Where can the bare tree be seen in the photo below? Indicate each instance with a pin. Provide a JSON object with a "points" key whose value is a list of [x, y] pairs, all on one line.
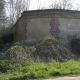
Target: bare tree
{"points": [[62, 4], [3, 18], [10, 11], [20, 6], [15, 8]]}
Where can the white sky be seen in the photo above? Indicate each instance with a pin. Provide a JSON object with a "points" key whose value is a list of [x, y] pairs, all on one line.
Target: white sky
{"points": [[77, 1], [46, 3], [37, 3], [34, 4]]}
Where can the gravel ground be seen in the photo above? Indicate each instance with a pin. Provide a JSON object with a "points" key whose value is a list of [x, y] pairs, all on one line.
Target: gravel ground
{"points": [[66, 78]]}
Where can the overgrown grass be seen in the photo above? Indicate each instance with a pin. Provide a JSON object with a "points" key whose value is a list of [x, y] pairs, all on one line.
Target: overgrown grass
{"points": [[22, 70]]}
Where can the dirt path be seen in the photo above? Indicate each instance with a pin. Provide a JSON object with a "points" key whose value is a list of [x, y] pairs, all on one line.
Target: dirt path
{"points": [[66, 78]]}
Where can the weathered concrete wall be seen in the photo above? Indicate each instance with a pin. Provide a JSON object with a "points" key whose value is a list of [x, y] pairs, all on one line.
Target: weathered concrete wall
{"points": [[69, 29], [64, 25], [38, 28]]}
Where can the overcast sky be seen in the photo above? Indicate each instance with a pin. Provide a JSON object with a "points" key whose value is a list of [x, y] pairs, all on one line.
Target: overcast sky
{"points": [[46, 3], [37, 3]]}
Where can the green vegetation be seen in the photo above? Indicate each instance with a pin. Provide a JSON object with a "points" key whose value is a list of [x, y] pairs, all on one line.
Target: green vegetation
{"points": [[44, 59], [45, 50], [22, 70]]}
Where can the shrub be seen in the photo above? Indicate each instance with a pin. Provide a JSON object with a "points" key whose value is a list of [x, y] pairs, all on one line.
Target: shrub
{"points": [[19, 51], [16, 52], [50, 48]]}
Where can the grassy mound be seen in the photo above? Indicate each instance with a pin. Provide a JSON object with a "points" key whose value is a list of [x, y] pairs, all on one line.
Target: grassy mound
{"points": [[50, 48]]}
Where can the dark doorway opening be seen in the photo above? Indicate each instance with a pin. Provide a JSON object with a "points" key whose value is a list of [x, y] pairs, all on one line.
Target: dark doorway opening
{"points": [[75, 46]]}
